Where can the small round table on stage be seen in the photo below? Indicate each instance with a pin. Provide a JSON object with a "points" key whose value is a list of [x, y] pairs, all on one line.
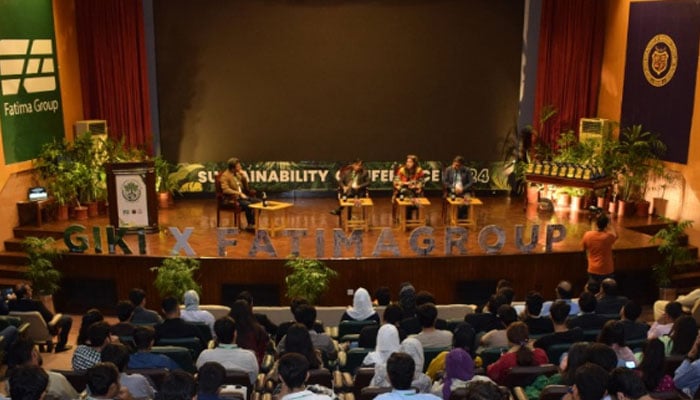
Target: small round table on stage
{"points": [[275, 222]]}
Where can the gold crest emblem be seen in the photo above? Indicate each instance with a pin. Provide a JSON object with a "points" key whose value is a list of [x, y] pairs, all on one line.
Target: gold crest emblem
{"points": [[660, 60]]}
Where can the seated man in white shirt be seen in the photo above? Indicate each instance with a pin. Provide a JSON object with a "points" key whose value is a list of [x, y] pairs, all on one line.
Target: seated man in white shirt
{"points": [[430, 337], [686, 300], [226, 353], [293, 369], [400, 368]]}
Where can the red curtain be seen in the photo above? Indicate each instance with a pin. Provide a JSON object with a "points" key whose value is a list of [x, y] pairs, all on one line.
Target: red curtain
{"points": [[113, 68], [572, 33]]}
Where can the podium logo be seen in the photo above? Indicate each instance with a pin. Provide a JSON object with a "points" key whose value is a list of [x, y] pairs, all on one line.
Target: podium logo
{"points": [[27, 63]]}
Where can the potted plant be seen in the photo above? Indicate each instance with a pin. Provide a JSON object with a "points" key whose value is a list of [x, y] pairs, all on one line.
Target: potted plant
{"points": [[638, 152], [175, 276], [164, 185], [676, 255], [40, 271], [576, 197], [309, 278], [563, 196]]}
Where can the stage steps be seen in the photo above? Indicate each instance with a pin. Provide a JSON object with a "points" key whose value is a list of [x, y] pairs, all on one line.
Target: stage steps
{"points": [[11, 275], [22, 232], [14, 244]]}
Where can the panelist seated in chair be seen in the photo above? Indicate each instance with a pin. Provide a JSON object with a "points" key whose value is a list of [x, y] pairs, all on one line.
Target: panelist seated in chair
{"points": [[408, 181], [58, 324], [456, 182], [353, 181], [234, 184]]}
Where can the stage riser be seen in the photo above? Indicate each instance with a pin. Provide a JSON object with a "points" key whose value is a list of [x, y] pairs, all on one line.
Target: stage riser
{"points": [[450, 279]]}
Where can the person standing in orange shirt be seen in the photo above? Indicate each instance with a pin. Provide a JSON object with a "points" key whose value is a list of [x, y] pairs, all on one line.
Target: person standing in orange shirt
{"points": [[598, 245]]}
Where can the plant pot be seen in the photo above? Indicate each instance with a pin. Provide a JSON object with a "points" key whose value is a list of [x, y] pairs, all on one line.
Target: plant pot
{"points": [[668, 294], [642, 208], [660, 206], [164, 199], [563, 200], [81, 213], [92, 209], [62, 212], [612, 207], [533, 194], [601, 203], [47, 300], [575, 203], [625, 208]]}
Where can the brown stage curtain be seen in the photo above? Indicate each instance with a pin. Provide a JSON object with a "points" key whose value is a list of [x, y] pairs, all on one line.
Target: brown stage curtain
{"points": [[113, 68], [572, 33]]}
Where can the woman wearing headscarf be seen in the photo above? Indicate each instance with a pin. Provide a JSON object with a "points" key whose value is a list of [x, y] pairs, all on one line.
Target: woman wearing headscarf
{"points": [[192, 313], [459, 369], [387, 343], [362, 309], [420, 381]]}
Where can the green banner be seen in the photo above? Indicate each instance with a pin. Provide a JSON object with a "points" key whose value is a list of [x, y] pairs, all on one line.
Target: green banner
{"points": [[282, 176], [30, 95]]}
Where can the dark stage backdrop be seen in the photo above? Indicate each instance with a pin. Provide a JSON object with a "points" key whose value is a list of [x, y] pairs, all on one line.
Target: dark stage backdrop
{"points": [[334, 79]]}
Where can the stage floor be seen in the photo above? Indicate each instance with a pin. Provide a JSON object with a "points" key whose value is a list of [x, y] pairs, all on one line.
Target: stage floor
{"points": [[314, 213]]}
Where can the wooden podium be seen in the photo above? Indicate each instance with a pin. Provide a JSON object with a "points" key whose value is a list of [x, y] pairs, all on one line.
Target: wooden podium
{"points": [[131, 192]]}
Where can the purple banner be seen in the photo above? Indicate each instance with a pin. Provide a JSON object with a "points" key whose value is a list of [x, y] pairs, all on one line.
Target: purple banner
{"points": [[662, 53]]}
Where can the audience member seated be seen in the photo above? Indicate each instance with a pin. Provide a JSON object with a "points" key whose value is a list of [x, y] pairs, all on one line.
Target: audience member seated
{"points": [[387, 343], [687, 375], [504, 288], [562, 334], [392, 315], [521, 353], [282, 328], [683, 333], [137, 384], [487, 320], [298, 341], [587, 319], [362, 309], [177, 385], [293, 372], [429, 336], [625, 384], [306, 315], [263, 320], [124, 327], [485, 390], [141, 314], [144, 337], [613, 335], [103, 382], [592, 287], [651, 368], [628, 318], [175, 327], [24, 353], [570, 362], [210, 378], [400, 369], [564, 292], [88, 354], [90, 317], [412, 325], [687, 302], [663, 325], [609, 302], [462, 338], [413, 348], [497, 337], [382, 296], [590, 382], [602, 355], [57, 326], [459, 369], [249, 333], [226, 353], [533, 307], [193, 314], [28, 382]]}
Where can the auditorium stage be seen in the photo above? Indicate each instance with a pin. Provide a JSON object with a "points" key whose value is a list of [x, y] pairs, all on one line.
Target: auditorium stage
{"points": [[91, 278]]}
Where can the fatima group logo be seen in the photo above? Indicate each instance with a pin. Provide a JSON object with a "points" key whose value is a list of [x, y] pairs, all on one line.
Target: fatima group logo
{"points": [[27, 64]]}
